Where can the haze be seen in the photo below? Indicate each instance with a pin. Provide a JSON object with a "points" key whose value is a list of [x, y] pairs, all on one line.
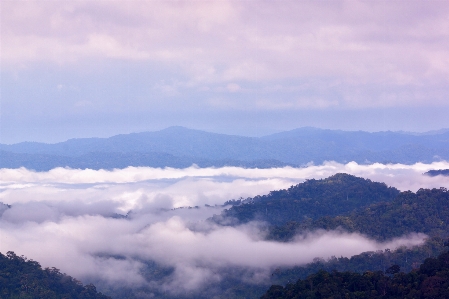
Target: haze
{"points": [[99, 68], [72, 69], [67, 218]]}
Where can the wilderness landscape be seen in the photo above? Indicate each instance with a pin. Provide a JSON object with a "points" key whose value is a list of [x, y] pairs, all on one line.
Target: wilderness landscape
{"points": [[220, 231], [224, 149]]}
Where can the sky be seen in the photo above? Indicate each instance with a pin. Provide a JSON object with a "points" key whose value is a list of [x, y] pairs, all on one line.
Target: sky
{"points": [[99, 68], [62, 218]]}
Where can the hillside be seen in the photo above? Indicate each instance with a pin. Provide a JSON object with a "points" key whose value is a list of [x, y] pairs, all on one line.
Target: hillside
{"points": [[444, 172], [426, 211], [22, 278], [379, 219], [336, 195], [339, 202], [379, 260], [431, 280]]}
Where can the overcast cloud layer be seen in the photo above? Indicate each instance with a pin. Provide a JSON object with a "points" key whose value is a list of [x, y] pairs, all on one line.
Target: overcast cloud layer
{"points": [[64, 218], [98, 68]]}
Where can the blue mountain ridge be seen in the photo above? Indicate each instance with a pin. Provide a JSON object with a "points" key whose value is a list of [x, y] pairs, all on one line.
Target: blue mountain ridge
{"points": [[179, 147]]}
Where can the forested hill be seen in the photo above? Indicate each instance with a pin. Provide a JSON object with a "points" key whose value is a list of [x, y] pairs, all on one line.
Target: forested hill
{"points": [[431, 280], [426, 211], [22, 278], [335, 195], [444, 172]]}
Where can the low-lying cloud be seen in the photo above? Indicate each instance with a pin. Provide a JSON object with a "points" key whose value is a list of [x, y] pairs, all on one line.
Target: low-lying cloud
{"points": [[88, 247], [73, 220]]}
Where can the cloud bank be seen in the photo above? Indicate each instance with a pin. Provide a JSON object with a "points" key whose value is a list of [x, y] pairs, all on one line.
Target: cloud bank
{"points": [[251, 41], [237, 67], [70, 219]]}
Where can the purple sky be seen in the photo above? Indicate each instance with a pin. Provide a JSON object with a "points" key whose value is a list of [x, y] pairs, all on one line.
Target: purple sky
{"points": [[99, 68]]}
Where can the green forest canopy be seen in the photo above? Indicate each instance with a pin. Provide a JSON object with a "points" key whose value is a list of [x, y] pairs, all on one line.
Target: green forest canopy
{"points": [[23, 278]]}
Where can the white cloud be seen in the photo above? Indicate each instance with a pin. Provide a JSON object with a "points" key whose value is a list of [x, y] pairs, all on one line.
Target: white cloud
{"points": [[380, 41], [397, 175], [78, 245], [62, 218], [302, 103], [144, 65]]}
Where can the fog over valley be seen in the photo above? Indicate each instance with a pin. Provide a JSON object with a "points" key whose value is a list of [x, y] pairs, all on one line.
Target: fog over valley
{"points": [[106, 226], [224, 149]]}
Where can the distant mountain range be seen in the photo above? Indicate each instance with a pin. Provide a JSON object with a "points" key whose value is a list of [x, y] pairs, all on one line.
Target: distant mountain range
{"points": [[180, 147]]}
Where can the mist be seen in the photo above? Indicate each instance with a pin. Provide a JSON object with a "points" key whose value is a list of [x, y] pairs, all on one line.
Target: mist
{"points": [[75, 220]]}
